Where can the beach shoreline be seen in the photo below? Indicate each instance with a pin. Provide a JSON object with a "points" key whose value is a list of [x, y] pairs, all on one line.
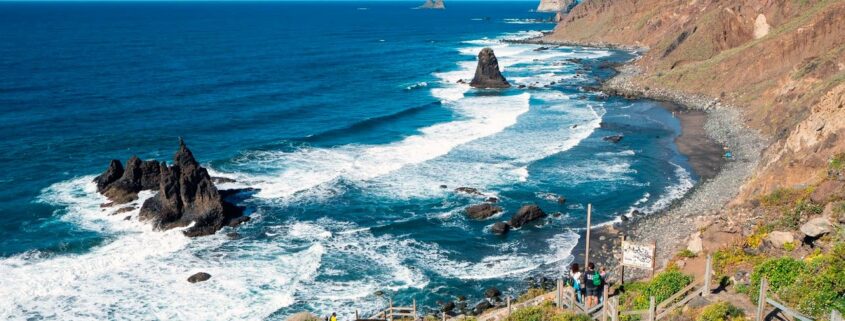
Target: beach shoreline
{"points": [[708, 129]]}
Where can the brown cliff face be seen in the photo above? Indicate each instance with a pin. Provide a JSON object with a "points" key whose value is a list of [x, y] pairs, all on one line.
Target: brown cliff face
{"points": [[780, 61]]}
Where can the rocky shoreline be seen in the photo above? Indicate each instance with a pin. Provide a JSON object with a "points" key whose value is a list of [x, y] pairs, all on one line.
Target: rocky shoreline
{"points": [[672, 227]]}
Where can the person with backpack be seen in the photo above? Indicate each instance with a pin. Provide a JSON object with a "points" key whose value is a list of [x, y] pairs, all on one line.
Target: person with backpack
{"points": [[592, 285], [575, 281]]}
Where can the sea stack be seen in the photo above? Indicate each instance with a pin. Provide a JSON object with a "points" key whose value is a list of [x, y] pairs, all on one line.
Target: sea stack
{"points": [[432, 4], [186, 193], [487, 74]]}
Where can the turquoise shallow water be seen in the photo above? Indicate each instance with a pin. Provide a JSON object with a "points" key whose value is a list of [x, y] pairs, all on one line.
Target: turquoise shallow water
{"points": [[345, 116]]}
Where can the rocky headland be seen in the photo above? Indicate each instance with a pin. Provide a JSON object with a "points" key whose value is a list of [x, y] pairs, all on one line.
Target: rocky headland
{"points": [[555, 5], [185, 193]]}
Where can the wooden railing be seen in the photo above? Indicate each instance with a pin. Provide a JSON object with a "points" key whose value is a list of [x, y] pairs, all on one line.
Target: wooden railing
{"points": [[763, 299], [394, 312]]}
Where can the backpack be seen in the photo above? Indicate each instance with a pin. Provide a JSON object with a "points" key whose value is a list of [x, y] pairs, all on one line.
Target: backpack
{"points": [[596, 279]]}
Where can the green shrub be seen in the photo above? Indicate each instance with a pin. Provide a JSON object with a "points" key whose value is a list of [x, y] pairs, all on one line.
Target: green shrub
{"points": [[545, 312], [686, 253], [663, 286], [791, 218], [779, 272], [534, 313], [789, 246], [821, 286], [721, 311]]}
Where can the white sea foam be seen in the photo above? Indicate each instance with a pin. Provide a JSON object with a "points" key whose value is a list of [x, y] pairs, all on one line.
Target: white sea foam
{"points": [[673, 192], [310, 167], [141, 274]]}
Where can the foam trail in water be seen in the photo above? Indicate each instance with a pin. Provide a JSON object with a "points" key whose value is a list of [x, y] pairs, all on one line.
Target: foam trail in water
{"points": [[307, 168]]}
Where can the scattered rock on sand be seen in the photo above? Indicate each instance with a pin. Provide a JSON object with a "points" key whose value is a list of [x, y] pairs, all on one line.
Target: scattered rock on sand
{"points": [[199, 277], [487, 74], [482, 211], [816, 227], [526, 214], [779, 238]]}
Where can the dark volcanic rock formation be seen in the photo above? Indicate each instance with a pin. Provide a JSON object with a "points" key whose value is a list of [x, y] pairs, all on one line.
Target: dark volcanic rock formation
{"points": [[527, 214], [487, 74], [482, 211], [186, 193], [113, 173], [137, 176], [500, 228], [199, 277]]}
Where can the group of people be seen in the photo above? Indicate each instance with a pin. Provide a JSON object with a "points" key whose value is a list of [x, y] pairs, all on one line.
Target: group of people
{"points": [[588, 284]]}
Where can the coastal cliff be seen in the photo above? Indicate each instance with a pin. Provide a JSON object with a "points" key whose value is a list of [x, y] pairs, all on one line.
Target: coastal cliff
{"points": [[780, 62], [555, 5]]}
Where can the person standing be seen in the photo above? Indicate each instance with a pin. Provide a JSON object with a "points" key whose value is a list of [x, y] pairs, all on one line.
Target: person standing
{"points": [[333, 317], [575, 280], [592, 283]]}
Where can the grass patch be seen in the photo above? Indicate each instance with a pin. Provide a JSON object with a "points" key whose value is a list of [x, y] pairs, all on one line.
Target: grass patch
{"points": [[661, 287], [530, 294], [686, 253]]}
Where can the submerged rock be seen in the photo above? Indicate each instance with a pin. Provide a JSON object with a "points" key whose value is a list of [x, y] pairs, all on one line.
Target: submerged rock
{"points": [[482, 211], [613, 138], [468, 190], [527, 214], [487, 74], [199, 277]]}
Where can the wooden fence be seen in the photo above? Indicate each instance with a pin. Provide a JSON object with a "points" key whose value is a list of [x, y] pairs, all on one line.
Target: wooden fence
{"points": [[393, 312]]}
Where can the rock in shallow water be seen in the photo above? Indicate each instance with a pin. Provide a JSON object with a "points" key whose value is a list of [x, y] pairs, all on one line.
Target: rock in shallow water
{"points": [[482, 211], [487, 74], [199, 277], [500, 228], [526, 214]]}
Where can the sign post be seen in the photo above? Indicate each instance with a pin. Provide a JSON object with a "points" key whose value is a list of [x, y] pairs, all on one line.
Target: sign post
{"points": [[641, 256]]}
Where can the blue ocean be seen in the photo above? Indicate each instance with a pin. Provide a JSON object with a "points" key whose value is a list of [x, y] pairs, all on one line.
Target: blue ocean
{"points": [[348, 120]]}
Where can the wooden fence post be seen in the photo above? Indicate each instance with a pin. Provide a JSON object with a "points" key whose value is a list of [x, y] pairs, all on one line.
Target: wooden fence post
{"points": [[615, 316], [509, 305], [761, 300], [389, 315], [415, 309], [572, 300], [651, 309], [356, 315], [587, 252], [604, 308], [559, 294], [708, 276]]}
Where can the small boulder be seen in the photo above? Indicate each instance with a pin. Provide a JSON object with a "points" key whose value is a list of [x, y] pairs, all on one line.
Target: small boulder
{"points": [[199, 277], [526, 214], [468, 190], [481, 307], [482, 211], [816, 227], [500, 228], [447, 307], [695, 244], [778, 238], [492, 293]]}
